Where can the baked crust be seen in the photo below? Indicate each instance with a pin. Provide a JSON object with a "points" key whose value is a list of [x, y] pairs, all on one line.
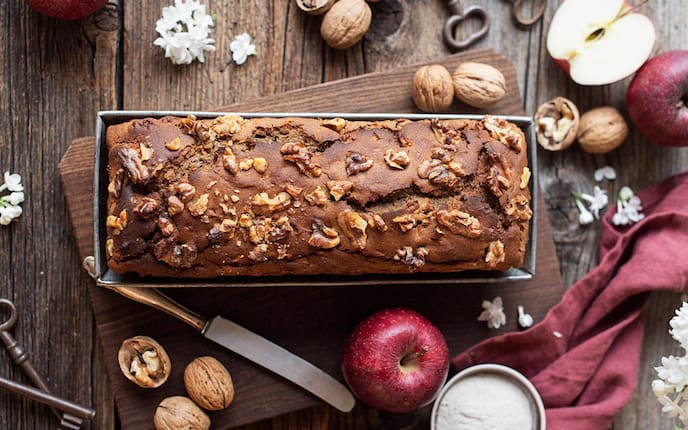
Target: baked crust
{"points": [[272, 196]]}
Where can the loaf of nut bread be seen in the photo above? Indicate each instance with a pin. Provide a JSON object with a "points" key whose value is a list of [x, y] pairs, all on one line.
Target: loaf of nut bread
{"points": [[272, 196]]}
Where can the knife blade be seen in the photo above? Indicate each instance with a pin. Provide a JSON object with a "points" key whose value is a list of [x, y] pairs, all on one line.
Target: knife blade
{"points": [[251, 346]]}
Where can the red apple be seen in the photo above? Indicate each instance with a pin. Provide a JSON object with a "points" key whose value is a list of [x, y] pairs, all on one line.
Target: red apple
{"points": [[598, 42], [396, 360], [66, 9], [657, 99]]}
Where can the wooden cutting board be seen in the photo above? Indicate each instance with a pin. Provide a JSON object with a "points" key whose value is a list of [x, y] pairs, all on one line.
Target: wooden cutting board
{"points": [[310, 321]]}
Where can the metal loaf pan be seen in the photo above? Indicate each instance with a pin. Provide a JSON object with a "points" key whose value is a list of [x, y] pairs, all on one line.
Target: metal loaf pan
{"points": [[108, 278]]}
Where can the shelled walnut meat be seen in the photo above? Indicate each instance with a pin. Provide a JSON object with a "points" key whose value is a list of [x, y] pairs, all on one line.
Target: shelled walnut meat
{"points": [[209, 383], [178, 412], [556, 123], [433, 89], [144, 361]]}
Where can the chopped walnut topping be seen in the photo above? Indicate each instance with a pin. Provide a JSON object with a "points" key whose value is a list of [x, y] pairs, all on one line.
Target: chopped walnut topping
{"points": [[226, 125], [323, 236], [168, 251], [376, 221], [234, 198], [440, 154], [229, 161], [294, 191], [437, 173], [357, 163], [456, 167], [138, 173], [408, 257], [354, 227], [227, 210], [339, 188], [525, 177], [115, 186], [245, 220], [317, 197], [495, 253], [518, 209], [263, 204], [259, 231], [174, 205], [258, 253], [246, 164], [166, 226], [110, 247], [260, 164], [444, 134], [174, 144], [507, 133], [146, 208], [406, 222], [281, 229], [222, 232], [146, 152], [300, 155], [397, 160], [282, 252], [459, 222], [335, 124], [496, 181], [117, 223], [204, 133], [198, 207], [185, 191]]}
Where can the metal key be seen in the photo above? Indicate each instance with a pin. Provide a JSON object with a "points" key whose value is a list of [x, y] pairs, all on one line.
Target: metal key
{"points": [[21, 357]]}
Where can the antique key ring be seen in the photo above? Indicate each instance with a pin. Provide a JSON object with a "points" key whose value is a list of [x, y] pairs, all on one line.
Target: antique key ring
{"points": [[459, 14], [523, 22]]}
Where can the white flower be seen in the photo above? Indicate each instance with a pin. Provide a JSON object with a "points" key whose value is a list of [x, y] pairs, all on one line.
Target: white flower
{"points": [[242, 48], [493, 313], [524, 320], [184, 29], [584, 215], [674, 371], [606, 172], [12, 182], [8, 213], [15, 198], [598, 200], [679, 326], [628, 208], [661, 388]]}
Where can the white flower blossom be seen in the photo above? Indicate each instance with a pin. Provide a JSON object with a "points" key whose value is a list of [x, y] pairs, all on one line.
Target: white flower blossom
{"points": [[584, 215], [524, 320], [242, 48], [606, 172], [628, 208], [184, 31], [16, 198], [598, 200], [8, 213], [671, 389], [493, 313], [12, 182]]}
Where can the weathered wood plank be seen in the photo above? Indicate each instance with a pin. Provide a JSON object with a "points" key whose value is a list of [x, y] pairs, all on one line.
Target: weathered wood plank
{"points": [[55, 75]]}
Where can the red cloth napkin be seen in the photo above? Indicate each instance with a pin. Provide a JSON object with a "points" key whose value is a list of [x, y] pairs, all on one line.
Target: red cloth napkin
{"points": [[583, 357]]}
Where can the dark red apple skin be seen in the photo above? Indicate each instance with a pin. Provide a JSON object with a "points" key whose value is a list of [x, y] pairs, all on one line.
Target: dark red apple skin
{"points": [[657, 98], [563, 65], [66, 9], [372, 356]]}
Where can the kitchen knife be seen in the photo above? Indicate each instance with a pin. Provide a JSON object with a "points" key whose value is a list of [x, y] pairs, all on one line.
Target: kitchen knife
{"points": [[251, 346]]}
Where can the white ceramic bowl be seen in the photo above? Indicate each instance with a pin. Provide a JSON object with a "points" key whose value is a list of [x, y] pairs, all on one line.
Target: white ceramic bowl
{"points": [[536, 407]]}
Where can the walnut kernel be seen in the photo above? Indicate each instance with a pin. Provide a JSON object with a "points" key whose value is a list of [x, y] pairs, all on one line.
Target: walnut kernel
{"points": [[323, 236], [263, 204], [354, 227], [459, 222], [397, 160], [198, 207], [339, 188], [495, 253], [357, 163], [556, 123], [144, 361]]}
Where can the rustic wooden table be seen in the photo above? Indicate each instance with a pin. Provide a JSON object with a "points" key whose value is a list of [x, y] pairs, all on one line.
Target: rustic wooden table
{"points": [[56, 75]]}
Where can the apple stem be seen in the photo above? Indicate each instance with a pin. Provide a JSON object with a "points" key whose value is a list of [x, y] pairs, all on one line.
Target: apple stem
{"points": [[415, 355], [630, 9]]}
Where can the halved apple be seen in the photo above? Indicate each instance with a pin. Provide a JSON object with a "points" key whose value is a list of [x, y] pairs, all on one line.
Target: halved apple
{"points": [[598, 42]]}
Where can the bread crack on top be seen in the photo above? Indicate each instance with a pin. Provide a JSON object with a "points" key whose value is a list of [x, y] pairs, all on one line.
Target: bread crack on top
{"points": [[229, 196]]}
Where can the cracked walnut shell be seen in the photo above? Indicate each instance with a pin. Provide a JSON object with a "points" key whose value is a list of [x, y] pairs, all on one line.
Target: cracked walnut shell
{"points": [[345, 23], [602, 130], [556, 123], [144, 361], [479, 85], [433, 89], [178, 412], [209, 383]]}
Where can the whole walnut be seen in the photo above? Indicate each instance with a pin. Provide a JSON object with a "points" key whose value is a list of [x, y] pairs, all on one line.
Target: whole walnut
{"points": [[209, 383], [433, 90], [345, 23], [601, 130], [479, 85], [178, 412]]}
